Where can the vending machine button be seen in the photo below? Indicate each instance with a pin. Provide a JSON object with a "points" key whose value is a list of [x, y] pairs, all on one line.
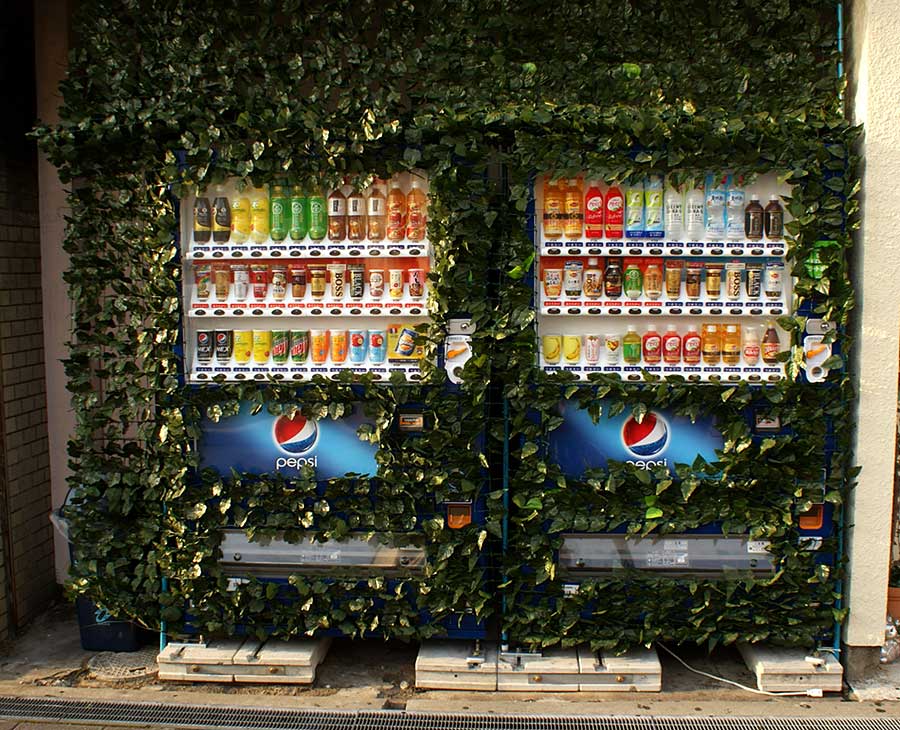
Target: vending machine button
{"points": [[736, 310], [553, 251], [354, 252], [376, 311], [756, 252], [715, 310], [256, 253], [655, 310], [656, 252], [675, 310], [334, 252], [595, 310], [574, 310], [595, 251], [737, 252], [315, 310], [615, 252], [615, 310], [553, 310], [274, 254], [375, 252], [574, 251], [275, 312], [696, 252], [295, 253], [414, 252], [394, 251]]}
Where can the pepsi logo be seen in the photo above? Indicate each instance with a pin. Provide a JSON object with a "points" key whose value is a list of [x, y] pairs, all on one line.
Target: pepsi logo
{"points": [[295, 434], [647, 438]]}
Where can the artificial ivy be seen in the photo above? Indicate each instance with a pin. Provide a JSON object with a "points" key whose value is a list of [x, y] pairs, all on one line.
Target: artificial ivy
{"points": [[482, 94]]}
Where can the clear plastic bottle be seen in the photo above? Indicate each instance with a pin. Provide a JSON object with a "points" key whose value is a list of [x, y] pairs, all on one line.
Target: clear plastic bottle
{"points": [[771, 344], [631, 346], [259, 216], [671, 345], [751, 346], [735, 201], [337, 216], [574, 221], [731, 344], [375, 208], [691, 346], [278, 213], [416, 215], [356, 216], [712, 344], [396, 212], [554, 209], [318, 215], [674, 213], [652, 346], [694, 210], [714, 224], [240, 218], [593, 211]]}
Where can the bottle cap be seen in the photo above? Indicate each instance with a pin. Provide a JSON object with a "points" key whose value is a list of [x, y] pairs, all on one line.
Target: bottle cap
{"points": [[593, 261], [773, 197], [651, 328], [671, 328], [692, 328], [631, 328], [573, 181], [416, 183], [754, 197], [395, 183], [731, 328]]}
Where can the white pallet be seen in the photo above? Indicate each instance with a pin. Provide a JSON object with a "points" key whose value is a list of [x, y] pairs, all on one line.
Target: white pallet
{"points": [[453, 665], [788, 670], [638, 670], [554, 670]]}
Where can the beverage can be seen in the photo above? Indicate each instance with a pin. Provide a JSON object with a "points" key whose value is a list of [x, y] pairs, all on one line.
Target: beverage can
{"points": [[357, 345], [552, 283], [673, 278], [613, 348], [338, 276], [224, 345], [773, 283], [572, 281], [612, 279], [357, 281], [376, 283], [317, 281], [634, 281], [551, 346], [572, 348], [241, 275], [692, 278], [734, 272], [279, 283], [338, 345], [262, 345], [281, 344], [204, 345], [417, 283], [377, 346], [243, 346], [318, 345], [395, 283], [299, 345], [714, 280], [203, 278], [653, 282], [223, 282], [298, 282], [592, 349], [259, 276], [753, 282], [406, 343]]}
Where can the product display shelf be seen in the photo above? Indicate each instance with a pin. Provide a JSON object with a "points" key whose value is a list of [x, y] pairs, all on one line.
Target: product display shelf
{"points": [[649, 247], [678, 308], [309, 307], [251, 371], [693, 373], [306, 249]]}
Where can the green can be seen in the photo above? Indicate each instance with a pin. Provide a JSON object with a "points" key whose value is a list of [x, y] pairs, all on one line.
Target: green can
{"points": [[299, 214], [318, 216], [634, 282], [278, 211], [299, 345], [281, 343]]}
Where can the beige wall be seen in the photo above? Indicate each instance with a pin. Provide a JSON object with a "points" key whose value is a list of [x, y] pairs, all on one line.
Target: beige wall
{"points": [[51, 50], [872, 100]]}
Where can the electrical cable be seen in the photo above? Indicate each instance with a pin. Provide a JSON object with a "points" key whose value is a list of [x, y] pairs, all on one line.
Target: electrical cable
{"points": [[813, 692]]}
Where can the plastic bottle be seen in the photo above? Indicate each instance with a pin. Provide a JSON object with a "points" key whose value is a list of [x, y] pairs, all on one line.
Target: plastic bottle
{"points": [[694, 213], [731, 344], [574, 221], [416, 211], [593, 279], [259, 216], [634, 209], [593, 211], [774, 219], [202, 219], [337, 216], [691, 346], [671, 345], [299, 214], [240, 218], [753, 219], [771, 344], [714, 223], [674, 211], [631, 346], [278, 213], [751, 346], [614, 219], [356, 216], [221, 222], [318, 215], [712, 344], [554, 209], [652, 346], [653, 207], [396, 212], [375, 209], [735, 201]]}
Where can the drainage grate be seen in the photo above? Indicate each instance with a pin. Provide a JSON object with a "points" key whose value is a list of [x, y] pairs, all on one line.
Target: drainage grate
{"points": [[249, 718]]}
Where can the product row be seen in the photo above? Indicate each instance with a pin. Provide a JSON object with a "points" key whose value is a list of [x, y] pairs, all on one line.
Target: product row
{"points": [[715, 207], [289, 212], [653, 280], [297, 282], [395, 343], [715, 343]]}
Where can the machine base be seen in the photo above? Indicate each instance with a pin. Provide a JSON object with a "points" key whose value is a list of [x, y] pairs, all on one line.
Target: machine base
{"points": [[457, 665], [792, 670]]}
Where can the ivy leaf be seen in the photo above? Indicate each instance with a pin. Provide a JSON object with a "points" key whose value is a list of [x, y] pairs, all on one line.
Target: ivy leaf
{"points": [[653, 513]]}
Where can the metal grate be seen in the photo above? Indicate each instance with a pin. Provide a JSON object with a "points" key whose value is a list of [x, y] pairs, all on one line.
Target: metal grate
{"points": [[249, 718]]}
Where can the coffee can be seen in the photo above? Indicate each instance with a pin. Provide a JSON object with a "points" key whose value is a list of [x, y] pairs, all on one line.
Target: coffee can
{"points": [[357, 280], [241, 275], [203, 278], [376, 283]]}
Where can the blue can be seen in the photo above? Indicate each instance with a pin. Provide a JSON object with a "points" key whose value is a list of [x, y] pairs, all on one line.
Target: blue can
{"points": [[377, 346], [358, 346]]}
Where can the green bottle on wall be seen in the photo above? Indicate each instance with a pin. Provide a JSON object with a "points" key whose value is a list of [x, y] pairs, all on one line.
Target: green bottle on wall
{"points": [[318, 215], [299, 214], [278, 213]]}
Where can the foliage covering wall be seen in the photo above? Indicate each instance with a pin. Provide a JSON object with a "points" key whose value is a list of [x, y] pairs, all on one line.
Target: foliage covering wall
{"points": [[481, 94]]}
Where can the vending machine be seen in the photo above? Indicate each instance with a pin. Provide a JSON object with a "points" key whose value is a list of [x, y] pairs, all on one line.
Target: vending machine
{"points": [[315, 386]]}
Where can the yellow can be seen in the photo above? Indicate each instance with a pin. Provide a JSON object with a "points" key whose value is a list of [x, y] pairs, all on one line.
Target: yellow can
{"points": [[572, 348], [552, 348], [338, 345], [319, 345], [243, 346], [262, 345]]}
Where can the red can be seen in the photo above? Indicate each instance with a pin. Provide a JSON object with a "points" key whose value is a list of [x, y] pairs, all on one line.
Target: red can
{"points": [[259, 279]]}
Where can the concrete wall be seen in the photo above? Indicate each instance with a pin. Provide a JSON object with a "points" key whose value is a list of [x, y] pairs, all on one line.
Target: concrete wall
{"points": [[873, 58]]}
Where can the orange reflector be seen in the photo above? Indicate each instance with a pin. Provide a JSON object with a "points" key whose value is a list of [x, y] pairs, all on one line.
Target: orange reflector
{"points": [[459, 514], [813, 518]]}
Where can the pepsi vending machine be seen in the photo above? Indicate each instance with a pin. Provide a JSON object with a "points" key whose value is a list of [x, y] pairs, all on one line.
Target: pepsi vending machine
{"points": [[316, 395], [668, 485]]}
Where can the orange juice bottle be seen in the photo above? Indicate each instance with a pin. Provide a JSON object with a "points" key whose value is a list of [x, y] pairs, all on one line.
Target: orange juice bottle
{"points": [[574, 220], [554, 209], [712, 344], [416, 216], [396, 212], [731, 344]]}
